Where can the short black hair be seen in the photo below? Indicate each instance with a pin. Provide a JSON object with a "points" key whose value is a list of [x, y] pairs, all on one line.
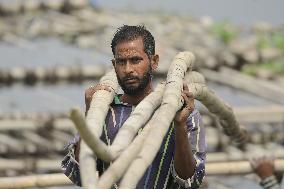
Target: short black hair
{"points": [[129, 33]]}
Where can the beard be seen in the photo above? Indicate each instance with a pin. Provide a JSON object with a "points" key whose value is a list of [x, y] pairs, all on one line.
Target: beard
{"points": [[142, 84]]}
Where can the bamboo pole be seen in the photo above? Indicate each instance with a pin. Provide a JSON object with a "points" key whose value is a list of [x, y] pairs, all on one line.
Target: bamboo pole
{"points": [[120, 165], [95, 119], [136, 120], [160, 123], [239, 167], [98, 147], [216, 106], [88, 171], [255, 86], [260, 114], [33, 181], [29, 164], [170, 104]]}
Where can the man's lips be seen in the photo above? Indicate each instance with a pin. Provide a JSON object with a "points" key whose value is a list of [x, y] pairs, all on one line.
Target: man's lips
{"points": [[130, 80]]}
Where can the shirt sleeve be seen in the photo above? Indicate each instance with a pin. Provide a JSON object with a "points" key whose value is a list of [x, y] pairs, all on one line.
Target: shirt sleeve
{"points": [[270, 183], [196, 137], [69, 165]]}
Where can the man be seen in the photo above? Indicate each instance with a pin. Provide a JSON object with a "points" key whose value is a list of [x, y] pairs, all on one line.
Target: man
{"points": [[180, 160]]}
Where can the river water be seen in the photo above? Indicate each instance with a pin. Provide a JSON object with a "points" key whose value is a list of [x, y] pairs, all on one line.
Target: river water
{"points": [[241, 12]]}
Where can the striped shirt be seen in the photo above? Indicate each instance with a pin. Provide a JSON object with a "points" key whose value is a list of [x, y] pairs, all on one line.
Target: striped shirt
{"points": [[161, 173]]}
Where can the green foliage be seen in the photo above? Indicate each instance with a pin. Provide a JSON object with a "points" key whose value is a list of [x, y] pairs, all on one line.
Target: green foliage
{"points": [[264, 42], [273, 66], [249, 69], [225, 31], [278, 40]]}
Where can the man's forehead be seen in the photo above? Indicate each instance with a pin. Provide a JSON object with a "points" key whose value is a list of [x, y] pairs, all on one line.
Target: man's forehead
{"points": [[129, 50]]}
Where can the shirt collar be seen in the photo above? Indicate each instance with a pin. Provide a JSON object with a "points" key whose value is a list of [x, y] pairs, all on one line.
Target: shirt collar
{"points": [[116, 100]]}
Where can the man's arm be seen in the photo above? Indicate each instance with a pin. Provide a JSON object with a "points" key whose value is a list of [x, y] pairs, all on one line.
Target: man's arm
{"points": [[189, 157], [183, 159]]}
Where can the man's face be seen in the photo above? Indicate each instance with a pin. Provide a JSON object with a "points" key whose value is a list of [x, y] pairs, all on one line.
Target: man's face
{"points": [[133, 66]]}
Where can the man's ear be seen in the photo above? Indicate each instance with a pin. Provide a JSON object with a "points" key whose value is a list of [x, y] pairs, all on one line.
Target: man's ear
{"points": [[113, 62], [155, 61]]}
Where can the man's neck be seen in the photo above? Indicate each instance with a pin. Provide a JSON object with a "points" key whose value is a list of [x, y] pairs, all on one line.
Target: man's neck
{"points": [[135, 99]]}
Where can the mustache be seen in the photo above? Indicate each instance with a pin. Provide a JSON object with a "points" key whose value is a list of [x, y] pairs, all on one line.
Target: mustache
{"points": [[129, 78]]}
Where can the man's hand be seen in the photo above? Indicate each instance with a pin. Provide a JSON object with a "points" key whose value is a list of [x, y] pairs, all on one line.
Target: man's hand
{"points": [[263, 166], [89, 92], [188, 107]]}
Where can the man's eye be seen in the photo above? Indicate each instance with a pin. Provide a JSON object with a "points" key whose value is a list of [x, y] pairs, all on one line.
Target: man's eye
{"points": [[120, 62], [135, 60]]}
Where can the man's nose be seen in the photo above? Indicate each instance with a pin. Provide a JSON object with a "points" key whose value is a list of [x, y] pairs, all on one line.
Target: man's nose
{"points": [[128, 67]]}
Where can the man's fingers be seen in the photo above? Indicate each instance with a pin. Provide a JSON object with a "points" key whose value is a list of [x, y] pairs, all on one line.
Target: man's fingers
{"points": [[188, 102], [99, 87], [186, 91], [185, 87], [188, 94]]}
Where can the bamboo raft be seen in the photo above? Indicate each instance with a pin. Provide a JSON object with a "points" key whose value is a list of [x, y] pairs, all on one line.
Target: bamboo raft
{"points": [[230, 154], [246, 115], [58, 179], [26, 133]]}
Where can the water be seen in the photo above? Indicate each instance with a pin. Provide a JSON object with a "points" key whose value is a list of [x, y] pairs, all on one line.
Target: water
{"points": [[47, 52], [241, 12]]}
